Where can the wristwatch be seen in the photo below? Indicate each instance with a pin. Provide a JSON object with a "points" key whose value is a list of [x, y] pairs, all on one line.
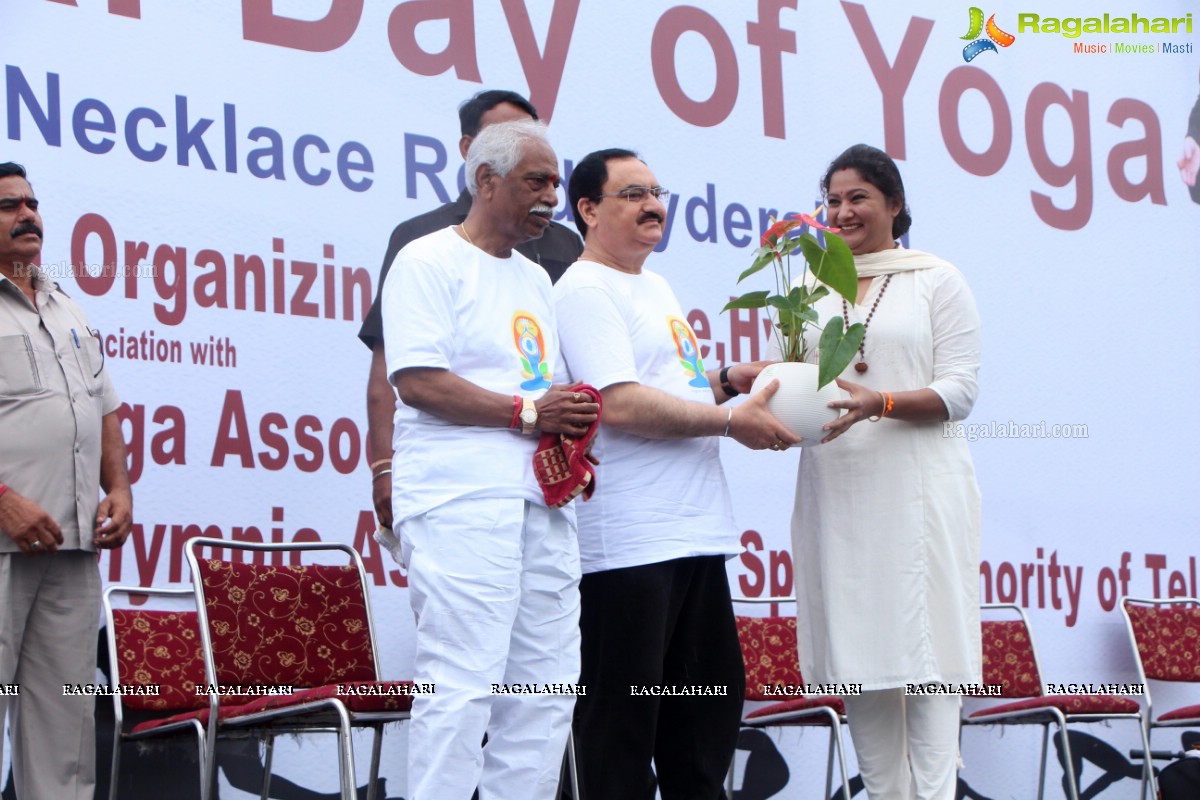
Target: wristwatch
{"points": [[529, 415]]}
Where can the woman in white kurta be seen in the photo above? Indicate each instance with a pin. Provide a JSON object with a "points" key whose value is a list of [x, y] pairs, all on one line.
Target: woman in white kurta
{"points": [[886, 524]]}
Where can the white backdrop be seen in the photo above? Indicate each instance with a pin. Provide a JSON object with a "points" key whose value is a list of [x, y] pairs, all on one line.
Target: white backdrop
{"points": [[201, 136]]}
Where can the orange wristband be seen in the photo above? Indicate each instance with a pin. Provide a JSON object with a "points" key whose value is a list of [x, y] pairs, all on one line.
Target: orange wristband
{"points": [[888, 404]]}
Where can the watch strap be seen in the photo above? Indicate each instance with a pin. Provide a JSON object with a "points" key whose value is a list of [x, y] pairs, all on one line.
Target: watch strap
{"points": [[726, 386]]}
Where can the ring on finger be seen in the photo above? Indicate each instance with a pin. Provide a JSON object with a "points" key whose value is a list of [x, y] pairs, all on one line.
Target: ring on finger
{"points": [[575, 396], [35, 545]]}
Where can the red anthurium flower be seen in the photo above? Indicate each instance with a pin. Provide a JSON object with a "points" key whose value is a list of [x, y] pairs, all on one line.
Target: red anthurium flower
{"points": [[779, 228], [812, 222]]}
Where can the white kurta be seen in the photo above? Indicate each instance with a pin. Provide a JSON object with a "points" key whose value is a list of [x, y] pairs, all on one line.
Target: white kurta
{"points": [[886, 525]]}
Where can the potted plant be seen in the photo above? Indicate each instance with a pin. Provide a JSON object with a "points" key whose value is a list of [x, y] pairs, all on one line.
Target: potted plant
{"points": [[805, 391]]}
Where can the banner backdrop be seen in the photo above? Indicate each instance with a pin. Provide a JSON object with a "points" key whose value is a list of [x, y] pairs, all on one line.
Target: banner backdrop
{"points": [[218, 181]]}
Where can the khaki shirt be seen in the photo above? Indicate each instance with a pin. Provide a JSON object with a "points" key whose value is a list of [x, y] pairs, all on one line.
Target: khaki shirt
{"points": [[54, 391]]}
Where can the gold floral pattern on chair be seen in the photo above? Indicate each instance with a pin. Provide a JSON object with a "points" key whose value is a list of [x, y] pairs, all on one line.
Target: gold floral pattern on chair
{"points": [[300, 625], [159, 648], [1168, 640], [1008, 659], [770, 651], [1070, 704]]}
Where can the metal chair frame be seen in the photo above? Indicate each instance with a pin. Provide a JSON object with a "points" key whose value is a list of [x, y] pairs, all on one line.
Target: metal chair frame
{"points": [[1046, 715], [170, 729], [323, 715], [835, 721], [1149, 723]]}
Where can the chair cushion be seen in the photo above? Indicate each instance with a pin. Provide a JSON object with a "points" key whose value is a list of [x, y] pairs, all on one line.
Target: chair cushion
{"points": [[770, 654], [798, 704], [199, 714], [159, 648], [1187, 712], [1168, 640], [1008, 658], [359, 696], [299, 625], [1067, 704]]}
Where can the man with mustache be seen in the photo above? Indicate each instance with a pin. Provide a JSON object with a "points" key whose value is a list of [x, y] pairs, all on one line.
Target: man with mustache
{"points": [[61, 442], [553, 251], [493, 572], [661, 658]]}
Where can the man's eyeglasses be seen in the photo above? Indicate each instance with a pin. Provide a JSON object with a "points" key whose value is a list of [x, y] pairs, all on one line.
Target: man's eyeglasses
{"points": [[638, 194], [13, 203], [100, 342]]}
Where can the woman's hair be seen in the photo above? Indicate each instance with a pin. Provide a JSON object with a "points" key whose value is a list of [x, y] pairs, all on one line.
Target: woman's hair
{"points": [[876, 168]]}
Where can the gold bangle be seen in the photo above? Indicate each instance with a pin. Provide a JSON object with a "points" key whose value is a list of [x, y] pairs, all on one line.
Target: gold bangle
{"points": [[380, 462], [882, 406]]}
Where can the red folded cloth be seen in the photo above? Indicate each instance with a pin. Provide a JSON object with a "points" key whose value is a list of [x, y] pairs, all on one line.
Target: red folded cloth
{"points": [[560, 462]]}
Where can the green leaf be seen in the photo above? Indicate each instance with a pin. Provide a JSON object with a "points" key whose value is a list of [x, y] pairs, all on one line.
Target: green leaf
{"points": [[748, 300], [837, 348], [833, 267], [766, 256], [843, 263], [817, 293], [790, 302]]}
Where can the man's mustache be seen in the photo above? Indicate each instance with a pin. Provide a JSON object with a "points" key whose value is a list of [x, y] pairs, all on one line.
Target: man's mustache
{"points": [[24, 228], [649, 215]]}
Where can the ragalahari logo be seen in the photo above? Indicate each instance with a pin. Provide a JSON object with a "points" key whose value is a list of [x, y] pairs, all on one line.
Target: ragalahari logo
{"points": [[995, 36]]}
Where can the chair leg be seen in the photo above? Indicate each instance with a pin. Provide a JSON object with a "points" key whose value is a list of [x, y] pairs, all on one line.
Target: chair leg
{"points": [[1042, 768], [829, 765], [573, 768], [115, 772], [207, 786], [346, 754], [376, 747], [268, 762], [1148, 777], [840, 743], [1068, 763], [199, 729]]}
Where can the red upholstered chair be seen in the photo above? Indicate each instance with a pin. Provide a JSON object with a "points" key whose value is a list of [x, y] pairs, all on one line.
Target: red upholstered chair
{"points": [[1165, 635], [154, 648], [771, 654], [1010, 660], [302, 625]]}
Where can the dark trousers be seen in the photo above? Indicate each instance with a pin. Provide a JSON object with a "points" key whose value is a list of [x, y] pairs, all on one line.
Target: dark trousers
{"points": [[667, 625]]}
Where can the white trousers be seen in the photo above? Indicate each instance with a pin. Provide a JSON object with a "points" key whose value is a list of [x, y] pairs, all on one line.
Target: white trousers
{"points": [[49, 624], [494, 584], [907, 747]]}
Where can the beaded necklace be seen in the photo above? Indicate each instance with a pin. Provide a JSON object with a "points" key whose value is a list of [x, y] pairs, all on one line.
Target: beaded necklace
{"points": [[861, 366]]}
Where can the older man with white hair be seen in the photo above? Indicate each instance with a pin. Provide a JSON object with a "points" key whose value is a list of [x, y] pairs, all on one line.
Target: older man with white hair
{"points": [[472, 350]]}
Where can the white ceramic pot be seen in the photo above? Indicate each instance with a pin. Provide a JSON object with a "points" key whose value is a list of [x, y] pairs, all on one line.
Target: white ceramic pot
{"points": [[799, 405]]}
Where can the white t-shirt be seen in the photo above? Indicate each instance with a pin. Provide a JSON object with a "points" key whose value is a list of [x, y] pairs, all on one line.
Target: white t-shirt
{"points": [[656, 499], [490, 321]]}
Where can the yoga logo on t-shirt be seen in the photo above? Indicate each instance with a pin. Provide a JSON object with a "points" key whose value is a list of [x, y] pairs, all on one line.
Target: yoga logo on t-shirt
{"points": [[689, 351], [527, 334]]}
